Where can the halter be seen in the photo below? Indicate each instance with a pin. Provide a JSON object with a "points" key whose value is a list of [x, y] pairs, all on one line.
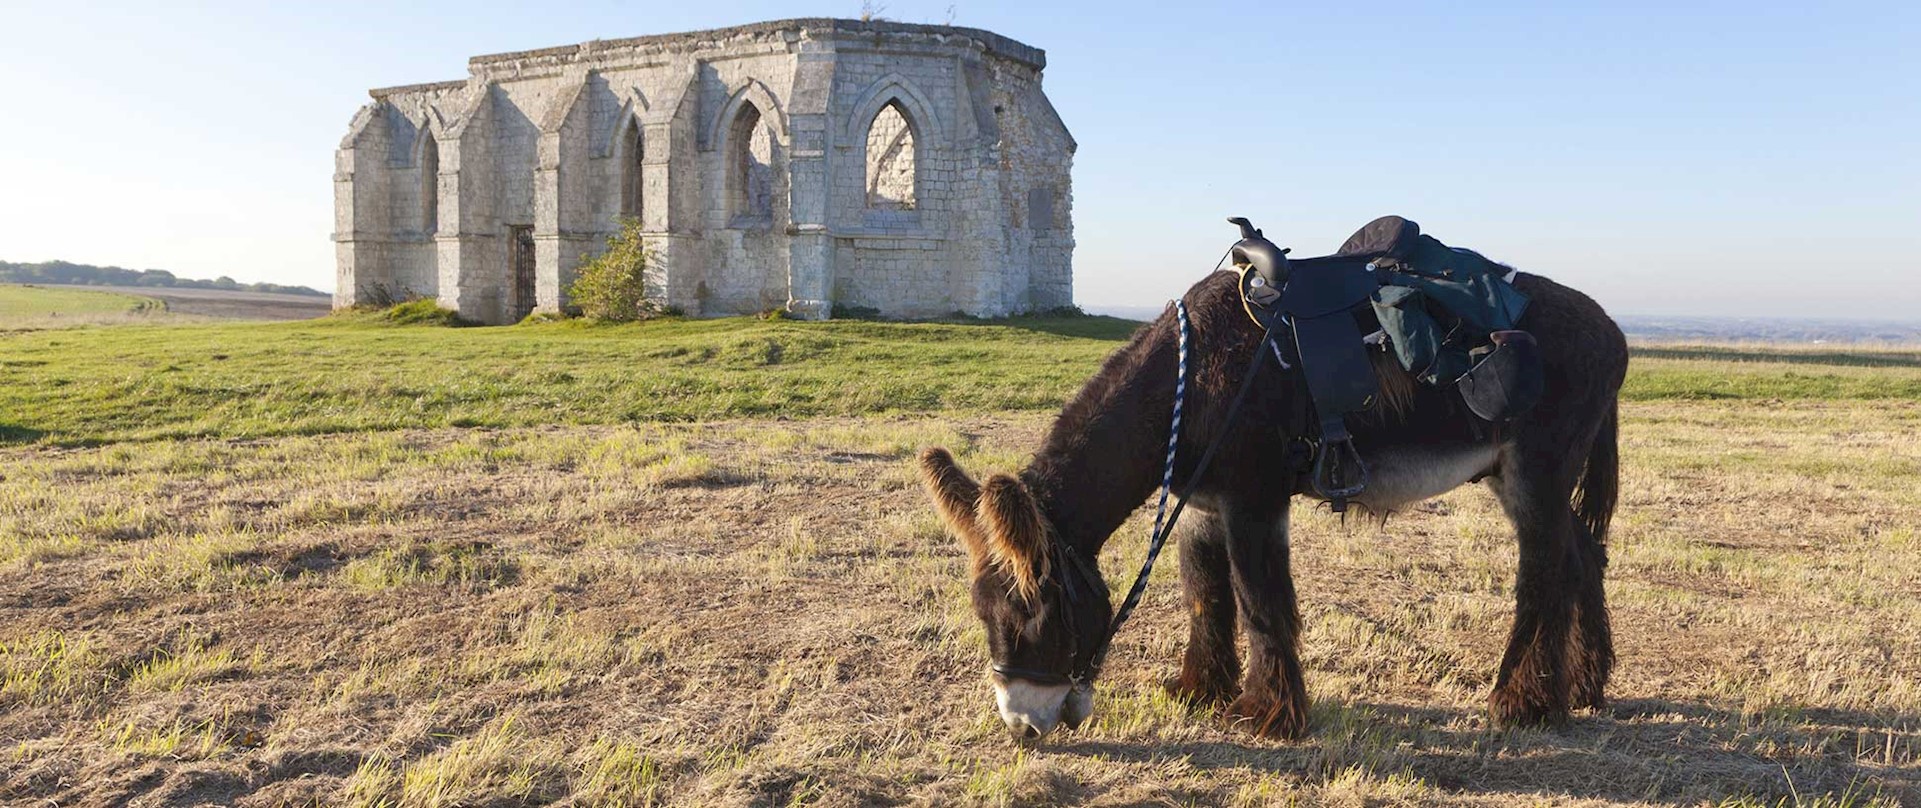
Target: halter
{"points": [[1078, 580]]}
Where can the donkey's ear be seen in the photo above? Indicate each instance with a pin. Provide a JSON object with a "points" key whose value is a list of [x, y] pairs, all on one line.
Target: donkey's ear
{"points": [[1016, 538], [955, 495]]}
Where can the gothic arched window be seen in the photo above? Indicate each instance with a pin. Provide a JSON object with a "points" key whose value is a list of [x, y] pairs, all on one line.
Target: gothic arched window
{"points": [[750, 165], [891, 160], [429, 183], [630, 176]]}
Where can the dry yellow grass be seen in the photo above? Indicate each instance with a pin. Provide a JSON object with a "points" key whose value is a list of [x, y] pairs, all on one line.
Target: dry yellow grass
{"points": [[768, 614]]}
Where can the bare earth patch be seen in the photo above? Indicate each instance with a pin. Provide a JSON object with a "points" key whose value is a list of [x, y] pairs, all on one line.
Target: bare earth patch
{"points": [[759, 613]]}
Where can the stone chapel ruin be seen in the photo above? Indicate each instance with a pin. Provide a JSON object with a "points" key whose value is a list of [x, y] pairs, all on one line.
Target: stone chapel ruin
{"points": [[911, 170]]}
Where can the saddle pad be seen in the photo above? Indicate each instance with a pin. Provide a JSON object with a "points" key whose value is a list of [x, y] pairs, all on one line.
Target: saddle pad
{"points": [[1390, 236]]}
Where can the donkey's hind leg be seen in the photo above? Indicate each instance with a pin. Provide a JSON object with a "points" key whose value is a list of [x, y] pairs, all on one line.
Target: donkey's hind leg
{"points": [[1211, 666], [1273, 700], [1533, 685], [1591, 644]]}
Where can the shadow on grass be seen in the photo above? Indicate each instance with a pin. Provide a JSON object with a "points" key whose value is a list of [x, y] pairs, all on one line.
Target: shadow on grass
{"points": [[10, 434], [1073, 326], [318, 770], [1636, 750], [1092, 326], [1078, 326]]}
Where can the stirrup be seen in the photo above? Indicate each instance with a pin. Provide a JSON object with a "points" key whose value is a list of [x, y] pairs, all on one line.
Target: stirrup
{"points": [[1345, 478]]}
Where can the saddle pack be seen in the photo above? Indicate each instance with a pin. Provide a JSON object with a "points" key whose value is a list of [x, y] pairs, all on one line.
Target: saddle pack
{"points": [[1448, 314]]}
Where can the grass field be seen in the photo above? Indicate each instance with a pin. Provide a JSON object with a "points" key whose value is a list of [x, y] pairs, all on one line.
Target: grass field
{"points": [[253, 380], [43, 307], [686, 563]]}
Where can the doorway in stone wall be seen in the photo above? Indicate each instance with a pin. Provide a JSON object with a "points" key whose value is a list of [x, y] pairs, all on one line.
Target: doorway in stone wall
{"points": [[520, 251]]}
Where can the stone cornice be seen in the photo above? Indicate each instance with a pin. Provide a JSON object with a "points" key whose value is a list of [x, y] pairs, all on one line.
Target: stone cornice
{"points": [[383, 92], [865, 32]]}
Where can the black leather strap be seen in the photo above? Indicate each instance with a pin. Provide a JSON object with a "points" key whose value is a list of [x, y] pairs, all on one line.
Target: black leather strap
{"points": [[1038, 677]]}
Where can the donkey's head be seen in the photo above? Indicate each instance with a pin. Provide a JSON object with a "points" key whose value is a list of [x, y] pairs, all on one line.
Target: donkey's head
{"points": [[1045, 608]]}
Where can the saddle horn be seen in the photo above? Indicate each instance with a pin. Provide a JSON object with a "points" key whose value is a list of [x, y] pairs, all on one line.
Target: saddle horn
{"points": [[1269, 261]]}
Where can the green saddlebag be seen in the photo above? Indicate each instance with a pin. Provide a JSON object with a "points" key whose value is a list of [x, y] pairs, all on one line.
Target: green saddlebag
{"points": [[1438, 303]]}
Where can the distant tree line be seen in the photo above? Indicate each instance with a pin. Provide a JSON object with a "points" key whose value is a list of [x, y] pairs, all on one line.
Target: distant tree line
{"points": [[63, 272]]}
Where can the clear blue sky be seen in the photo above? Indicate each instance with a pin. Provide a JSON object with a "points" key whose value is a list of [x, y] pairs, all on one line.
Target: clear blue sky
{"points": [[1710, 158]]}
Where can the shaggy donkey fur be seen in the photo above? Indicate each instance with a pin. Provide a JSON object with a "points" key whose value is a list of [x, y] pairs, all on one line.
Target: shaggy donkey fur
{"points": [[1553, 470]]}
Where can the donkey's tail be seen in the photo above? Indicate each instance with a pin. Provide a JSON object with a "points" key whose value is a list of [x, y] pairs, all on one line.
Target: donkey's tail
{"points": [[1601, 480]]}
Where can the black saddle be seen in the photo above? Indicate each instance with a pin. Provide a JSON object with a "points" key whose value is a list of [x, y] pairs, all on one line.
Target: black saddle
{"points": [[1313, 299], [1323, 302]]}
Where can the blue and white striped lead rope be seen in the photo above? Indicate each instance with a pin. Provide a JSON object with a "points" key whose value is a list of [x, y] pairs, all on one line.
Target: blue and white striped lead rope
{"points": [[1157, 540]]}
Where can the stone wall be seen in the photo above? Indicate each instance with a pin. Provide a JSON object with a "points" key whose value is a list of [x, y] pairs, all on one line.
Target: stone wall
{"points": [[908, 169]]}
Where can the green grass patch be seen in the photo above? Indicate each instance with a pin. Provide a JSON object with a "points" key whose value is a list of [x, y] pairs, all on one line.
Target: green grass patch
{"points": [[421, 312], [21, 304], [356, 373], [1788, 354], [49, 667], [176, 741], [349, 375], [1762, 375]]}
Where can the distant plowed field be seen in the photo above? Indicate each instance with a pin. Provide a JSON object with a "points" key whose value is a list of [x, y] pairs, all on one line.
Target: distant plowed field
{"points": [[230, 305], [687, 563], [43, 306]]}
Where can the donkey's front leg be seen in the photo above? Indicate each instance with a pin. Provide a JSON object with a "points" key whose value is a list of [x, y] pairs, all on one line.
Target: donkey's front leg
{"points": [[1211, 667], [1273, 700]]}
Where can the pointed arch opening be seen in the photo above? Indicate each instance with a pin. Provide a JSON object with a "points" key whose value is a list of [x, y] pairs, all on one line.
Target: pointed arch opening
{"points": [[750, 166], [893, 161], [632, 172], [429, 183]]}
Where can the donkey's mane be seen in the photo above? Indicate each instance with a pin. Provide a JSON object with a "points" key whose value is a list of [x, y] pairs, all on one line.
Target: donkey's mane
{"points": [[1099, 459]]}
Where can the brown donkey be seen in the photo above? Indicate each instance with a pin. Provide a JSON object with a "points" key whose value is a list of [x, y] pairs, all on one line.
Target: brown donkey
{"points": [[1033, 537]]}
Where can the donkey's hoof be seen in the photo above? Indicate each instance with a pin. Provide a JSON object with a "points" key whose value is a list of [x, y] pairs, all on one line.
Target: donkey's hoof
{"points": [[1510, 710], [1269, 717], [1589, 692], [1197, 692]]}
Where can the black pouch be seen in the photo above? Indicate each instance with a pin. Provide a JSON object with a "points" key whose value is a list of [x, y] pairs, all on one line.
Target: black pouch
{"points": [[1505, 382]]}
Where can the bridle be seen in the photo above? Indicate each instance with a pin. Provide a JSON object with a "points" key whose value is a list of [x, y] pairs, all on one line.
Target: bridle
{"points": [[1077, 584], [1085, 574]]}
